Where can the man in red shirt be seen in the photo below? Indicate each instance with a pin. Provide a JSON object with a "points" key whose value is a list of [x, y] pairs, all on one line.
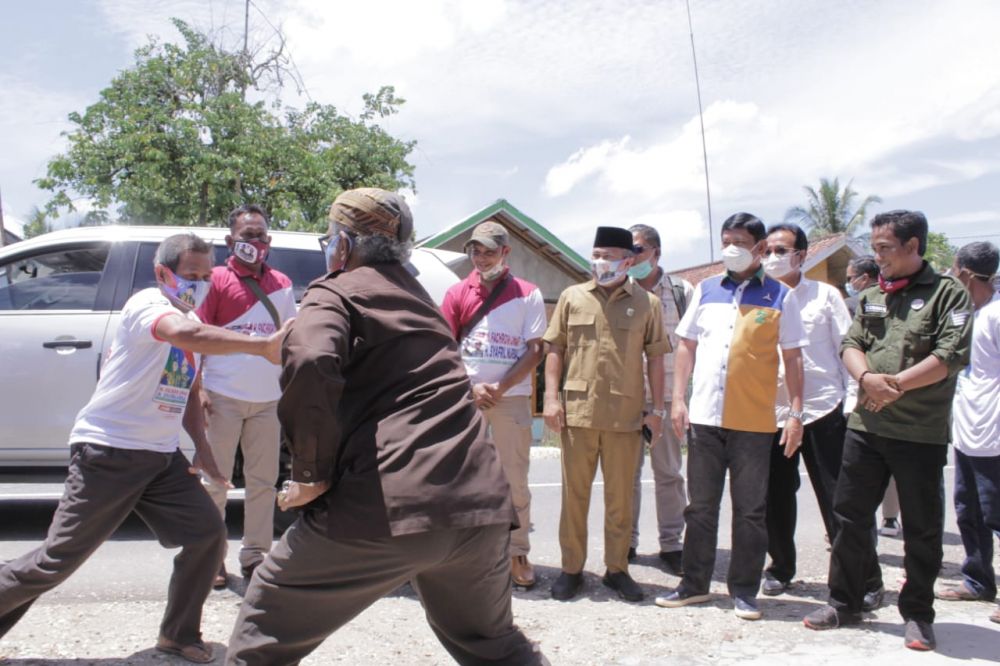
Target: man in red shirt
{"points": [[498, 321], [241, 392]]}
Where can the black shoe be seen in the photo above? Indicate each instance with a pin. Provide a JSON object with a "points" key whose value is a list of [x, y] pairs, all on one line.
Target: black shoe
{"points": [[919, 635], [623, 584], [672, 562], [829, 617], [873, 600], [567, 586], [772, 587], [247, 570], [632, 554]]}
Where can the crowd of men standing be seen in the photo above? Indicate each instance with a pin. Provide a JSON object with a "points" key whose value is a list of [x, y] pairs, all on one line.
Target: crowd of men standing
{"points": [[409, 427]]}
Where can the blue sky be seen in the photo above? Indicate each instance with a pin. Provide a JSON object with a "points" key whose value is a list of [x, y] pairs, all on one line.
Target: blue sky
{"points": [[583, 113]]}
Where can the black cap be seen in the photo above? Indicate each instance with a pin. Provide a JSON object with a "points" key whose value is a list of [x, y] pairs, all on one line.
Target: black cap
{"points": [[614, 237]]}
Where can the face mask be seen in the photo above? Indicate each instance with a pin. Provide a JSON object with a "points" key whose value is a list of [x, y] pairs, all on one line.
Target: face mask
{"points": [[849, 288], [736, 259], [778, 267], [250, 252], [606, 272], [641, 271], [331, 251], [493, 273], [190, 292]]}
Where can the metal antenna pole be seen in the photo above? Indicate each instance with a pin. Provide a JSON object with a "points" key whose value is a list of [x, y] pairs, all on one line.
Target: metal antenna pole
{"points": [[704, 150]]}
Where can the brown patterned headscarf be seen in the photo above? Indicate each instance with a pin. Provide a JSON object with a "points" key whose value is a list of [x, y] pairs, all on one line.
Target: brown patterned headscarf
{"points": [[368, 211]]}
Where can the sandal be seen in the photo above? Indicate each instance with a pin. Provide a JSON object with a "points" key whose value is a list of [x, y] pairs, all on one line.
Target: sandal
{"points": [[197, 653], [957, 593], [221, 579]]}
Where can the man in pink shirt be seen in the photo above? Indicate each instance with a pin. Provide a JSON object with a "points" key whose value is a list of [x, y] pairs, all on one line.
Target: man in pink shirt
{"points": [[241, 391], [498, 321]]}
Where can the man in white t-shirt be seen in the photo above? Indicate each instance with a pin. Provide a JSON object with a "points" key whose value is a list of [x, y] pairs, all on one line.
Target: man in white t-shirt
{"points": [[975, 430], [498, 321], [241, 391], [125, 454]]}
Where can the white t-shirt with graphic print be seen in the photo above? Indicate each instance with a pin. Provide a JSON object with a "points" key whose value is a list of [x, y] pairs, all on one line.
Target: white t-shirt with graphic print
{"points": [[144, 385], [500, 338]]}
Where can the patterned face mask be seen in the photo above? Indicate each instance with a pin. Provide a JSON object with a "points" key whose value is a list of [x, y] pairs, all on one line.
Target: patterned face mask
{"points": [[189, 292]]}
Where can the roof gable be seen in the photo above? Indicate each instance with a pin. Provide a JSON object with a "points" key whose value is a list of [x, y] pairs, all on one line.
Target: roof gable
{"points": [[525, 227]]}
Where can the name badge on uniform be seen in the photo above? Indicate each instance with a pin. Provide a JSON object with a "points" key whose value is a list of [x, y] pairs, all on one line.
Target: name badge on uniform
{"points": [[629, 312], [917, 303], [875, 308]]}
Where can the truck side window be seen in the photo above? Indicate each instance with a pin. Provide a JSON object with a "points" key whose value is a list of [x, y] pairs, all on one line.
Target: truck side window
{"points": [[65, 279]]}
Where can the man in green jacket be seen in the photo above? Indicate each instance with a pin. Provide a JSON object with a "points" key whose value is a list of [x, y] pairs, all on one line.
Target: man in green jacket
{"points": [[909, 340]]}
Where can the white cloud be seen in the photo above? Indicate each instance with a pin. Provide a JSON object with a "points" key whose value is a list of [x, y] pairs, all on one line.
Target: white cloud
{"points": [[969, 218]]}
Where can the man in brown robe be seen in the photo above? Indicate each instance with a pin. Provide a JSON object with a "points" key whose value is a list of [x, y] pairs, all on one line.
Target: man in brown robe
{"points": [[391, 456]]}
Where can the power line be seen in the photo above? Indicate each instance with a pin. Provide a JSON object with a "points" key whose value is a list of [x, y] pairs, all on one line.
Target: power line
{"points": [[704, 150]]}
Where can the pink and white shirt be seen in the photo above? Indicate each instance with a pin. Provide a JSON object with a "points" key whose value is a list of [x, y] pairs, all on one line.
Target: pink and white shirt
{"points": [[501, 337], [233, 306]]}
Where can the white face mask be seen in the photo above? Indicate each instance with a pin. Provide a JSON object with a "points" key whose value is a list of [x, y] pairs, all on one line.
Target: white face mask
{"points": [[607, 272], [736, 259], [491, 274], [778, 267]]}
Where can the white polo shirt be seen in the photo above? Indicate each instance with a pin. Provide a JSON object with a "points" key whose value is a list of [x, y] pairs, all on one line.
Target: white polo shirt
{"points": [[825, 321], [739, 328], [975, 425]]}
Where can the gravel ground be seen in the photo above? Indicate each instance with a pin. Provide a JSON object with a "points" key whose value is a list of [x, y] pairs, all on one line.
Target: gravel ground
{"points": [[595, 628]]}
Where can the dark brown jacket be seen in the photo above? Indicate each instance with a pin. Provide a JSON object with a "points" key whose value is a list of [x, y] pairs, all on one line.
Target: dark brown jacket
{"points": [[376, 400]]}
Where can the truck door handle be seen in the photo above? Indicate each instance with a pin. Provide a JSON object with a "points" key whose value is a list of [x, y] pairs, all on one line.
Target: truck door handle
{"points": [[75, 344]]}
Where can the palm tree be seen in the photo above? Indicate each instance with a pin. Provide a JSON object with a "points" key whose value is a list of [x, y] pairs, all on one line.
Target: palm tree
{"points": [[830, 210]]}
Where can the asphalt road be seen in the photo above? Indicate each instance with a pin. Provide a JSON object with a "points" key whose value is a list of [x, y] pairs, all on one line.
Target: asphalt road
{"points": [[107, 612]]}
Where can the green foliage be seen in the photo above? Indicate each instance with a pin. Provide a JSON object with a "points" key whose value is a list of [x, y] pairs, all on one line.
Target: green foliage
{"points": [[37, 223], [831, 210], [173, 140], [940, 252]]}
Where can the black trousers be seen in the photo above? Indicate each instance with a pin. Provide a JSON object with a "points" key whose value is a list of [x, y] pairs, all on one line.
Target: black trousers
{"points": [[869, 460], [310, 585], [822, 449], [103, 486]]}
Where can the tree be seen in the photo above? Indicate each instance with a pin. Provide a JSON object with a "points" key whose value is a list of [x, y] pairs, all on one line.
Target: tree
{"points": [[940, 253], [830, 210], [37, 223], [174, 140]]}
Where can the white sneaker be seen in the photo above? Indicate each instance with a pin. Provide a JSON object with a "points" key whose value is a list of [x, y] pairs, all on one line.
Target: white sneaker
{"points": [[890, 527]]}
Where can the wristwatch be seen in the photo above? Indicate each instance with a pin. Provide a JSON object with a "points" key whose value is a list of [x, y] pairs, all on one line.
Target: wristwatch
{"points": [[662, 413], [792, 414]]}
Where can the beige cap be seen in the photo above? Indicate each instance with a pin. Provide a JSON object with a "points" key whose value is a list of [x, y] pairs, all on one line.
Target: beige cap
{"points": [[490, 235]]}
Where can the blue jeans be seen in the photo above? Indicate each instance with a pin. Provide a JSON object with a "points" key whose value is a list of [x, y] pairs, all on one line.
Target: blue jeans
{"points": [[977, 509], [747, 456]]}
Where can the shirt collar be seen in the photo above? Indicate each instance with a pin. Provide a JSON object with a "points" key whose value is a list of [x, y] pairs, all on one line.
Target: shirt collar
{"points": [[242, 271], [758, 276], [628, 286]]}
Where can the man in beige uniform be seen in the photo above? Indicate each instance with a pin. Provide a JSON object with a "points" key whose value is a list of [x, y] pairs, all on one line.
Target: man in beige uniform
{"points": [[597, 337]]}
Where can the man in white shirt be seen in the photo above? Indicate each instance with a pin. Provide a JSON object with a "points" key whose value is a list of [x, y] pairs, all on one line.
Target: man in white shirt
{"points": [[975, 430], [825, 320], [241, 391], [498, 320], [125, 454]]}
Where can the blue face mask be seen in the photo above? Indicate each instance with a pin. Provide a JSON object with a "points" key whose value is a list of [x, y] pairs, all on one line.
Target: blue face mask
{"points": [[641, 271], [331, 250], [849, 288]]}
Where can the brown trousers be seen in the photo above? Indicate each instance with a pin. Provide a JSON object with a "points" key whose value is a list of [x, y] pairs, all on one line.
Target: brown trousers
{"points": [[103, 486], [311, 585], [618, 453]]}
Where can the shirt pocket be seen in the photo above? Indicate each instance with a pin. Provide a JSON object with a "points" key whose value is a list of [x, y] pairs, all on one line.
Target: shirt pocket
{"points": [[919, 339], [873, 323], [575, 393], [581, 329]]}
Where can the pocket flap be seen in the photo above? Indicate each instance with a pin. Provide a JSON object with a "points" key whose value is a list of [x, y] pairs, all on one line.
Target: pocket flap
{"points": [[575, 385], [581, 319]]}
